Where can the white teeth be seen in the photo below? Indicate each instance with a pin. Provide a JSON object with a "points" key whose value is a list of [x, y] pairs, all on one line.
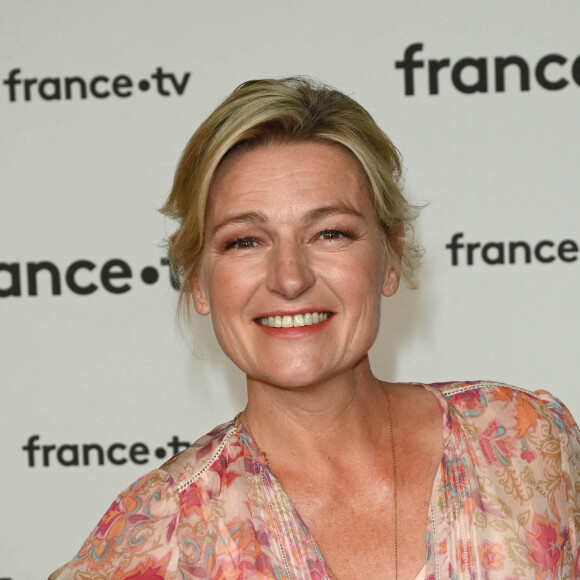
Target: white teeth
{"points": [[287, 321]]}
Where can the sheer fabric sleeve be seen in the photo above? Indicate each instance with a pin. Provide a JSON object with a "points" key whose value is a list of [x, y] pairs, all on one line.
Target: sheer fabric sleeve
{"points": [[569, 436], [509, 503], [136, 538]]}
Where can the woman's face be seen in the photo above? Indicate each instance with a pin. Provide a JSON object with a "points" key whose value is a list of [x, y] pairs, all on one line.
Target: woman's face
{"points": [[293, 265]]}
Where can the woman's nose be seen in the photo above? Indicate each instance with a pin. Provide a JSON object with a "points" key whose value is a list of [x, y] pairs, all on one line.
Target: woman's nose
{"points": [[289, 271]]}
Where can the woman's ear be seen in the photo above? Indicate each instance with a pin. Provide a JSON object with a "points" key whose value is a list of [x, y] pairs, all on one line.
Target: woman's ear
{"points": [[391, 281], [199, 295], [393, 271]]}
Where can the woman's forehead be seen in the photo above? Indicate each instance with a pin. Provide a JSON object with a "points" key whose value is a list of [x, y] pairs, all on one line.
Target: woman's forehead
{"points": [[304, 174]]}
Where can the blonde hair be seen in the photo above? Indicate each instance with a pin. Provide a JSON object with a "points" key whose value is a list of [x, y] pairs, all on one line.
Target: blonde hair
{"points": [[294, 109]]}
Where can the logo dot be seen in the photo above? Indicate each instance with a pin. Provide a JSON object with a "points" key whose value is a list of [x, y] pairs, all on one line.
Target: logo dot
{"points": [[144, 85], [149, 275], [160, 453]]}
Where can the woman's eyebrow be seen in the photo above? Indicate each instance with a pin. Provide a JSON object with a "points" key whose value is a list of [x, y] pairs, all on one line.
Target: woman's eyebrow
{"points": [[257, 217], [246, 217], [331, 210]]}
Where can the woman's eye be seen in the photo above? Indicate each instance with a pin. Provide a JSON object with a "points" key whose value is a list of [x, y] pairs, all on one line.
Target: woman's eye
{"points": [[332, 235], [242, 243]]}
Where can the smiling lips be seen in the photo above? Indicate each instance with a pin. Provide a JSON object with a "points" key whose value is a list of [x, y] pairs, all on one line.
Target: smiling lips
{"points": [[287, 321]]}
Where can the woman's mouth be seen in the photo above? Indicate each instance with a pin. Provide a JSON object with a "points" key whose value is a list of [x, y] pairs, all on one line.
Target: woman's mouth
{"points": [[288, 321]]}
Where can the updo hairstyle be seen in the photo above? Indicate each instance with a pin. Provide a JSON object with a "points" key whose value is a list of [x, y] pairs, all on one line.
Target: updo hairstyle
{"points": [[289, 110]]}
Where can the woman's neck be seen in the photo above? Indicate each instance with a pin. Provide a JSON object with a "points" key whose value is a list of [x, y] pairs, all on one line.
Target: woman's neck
{"points": [[304, 422]]}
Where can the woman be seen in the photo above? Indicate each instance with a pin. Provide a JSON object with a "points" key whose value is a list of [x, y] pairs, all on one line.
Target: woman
{"points": [[291, 229]]}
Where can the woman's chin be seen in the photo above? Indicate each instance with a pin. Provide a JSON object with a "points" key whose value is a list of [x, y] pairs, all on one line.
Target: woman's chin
{"points": [[292, 379]]}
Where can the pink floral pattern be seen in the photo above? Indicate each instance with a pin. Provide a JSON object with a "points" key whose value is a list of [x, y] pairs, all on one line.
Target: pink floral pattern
{"points": [[505, 504], [546, 545]]}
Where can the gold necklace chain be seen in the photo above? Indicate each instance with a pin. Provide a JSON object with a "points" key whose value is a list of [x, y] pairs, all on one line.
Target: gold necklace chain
{"points": [[395, 478], [246, 422]]}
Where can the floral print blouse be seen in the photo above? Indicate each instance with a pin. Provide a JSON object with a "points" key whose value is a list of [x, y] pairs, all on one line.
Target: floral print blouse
{"points": [[505, 503]]}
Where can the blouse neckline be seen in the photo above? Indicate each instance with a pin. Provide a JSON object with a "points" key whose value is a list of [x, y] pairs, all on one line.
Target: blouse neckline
{"points": [[257, 455]]}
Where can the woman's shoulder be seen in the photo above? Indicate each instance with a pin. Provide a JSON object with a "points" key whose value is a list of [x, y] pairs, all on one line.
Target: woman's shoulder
{"points": [[190, 464], [501, 426], [470, 400], [512, 464], [145, 518]]}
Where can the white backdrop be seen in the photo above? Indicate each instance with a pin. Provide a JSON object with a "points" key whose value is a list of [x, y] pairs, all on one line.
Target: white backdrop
{"points": [[81, 180]]}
